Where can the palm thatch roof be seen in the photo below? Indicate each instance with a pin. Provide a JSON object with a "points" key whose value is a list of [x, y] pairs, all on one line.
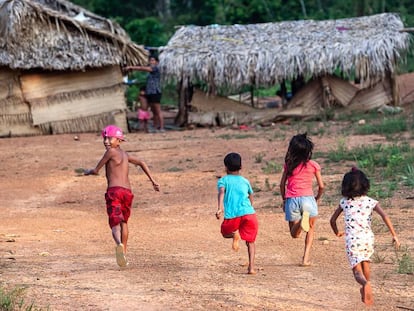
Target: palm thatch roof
{"points": [[263, 55], [59, 35]]}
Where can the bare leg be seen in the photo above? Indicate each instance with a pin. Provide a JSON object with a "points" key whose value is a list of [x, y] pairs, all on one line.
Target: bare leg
{"points": [[309, 241], [360, 272], [116, 234], [295, 229], [124, 235], [145, 125], [155, 117], [157, 111], [236, 238], [251, 250], [119, 237]]}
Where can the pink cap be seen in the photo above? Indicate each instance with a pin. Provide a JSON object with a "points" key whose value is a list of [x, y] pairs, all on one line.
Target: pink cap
{"points": [[113, 131]]}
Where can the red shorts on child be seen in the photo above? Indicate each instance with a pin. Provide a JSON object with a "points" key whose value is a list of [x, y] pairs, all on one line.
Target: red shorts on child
{"points": [[247, 226], [143, 114], [118, 205]]}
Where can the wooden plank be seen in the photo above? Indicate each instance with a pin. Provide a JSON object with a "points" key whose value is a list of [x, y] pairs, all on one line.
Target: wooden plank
{"points": [[372, 98], [49, 84], [9, 84], [342, 90], [73, 108]]}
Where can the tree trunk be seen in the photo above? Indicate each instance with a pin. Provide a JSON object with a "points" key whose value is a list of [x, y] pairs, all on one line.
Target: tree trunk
{"points": [[184, 98], [395, 90], [302, 4]]}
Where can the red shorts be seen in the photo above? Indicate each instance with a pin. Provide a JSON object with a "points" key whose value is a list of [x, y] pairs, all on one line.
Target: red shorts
{"points": [[247, 226], [118, 205]]}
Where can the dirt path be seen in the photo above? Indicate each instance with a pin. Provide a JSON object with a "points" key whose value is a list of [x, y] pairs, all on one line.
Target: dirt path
{"points": [[55, 241]]}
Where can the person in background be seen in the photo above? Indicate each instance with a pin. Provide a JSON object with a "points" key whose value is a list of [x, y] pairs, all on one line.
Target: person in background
{"points": [[143, 113], [153, 91]]}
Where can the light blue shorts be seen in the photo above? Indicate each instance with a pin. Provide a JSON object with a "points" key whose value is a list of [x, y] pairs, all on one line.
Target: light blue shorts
{"points": [[294, 207]]}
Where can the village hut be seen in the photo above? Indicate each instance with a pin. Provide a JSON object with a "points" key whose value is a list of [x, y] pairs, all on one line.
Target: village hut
{"points": [[326, 54], [60, 68]]}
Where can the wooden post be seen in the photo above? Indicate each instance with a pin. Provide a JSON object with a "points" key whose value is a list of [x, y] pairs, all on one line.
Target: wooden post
{"points": [[185, 94], [395, 90], [182, 115], [252, 96], [283, 93]]}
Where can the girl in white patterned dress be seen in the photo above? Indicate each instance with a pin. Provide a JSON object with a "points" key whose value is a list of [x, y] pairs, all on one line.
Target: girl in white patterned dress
{"points": [[357, 208]]}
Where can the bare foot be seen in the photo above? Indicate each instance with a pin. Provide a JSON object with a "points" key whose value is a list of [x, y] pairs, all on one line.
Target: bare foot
{"points": [[367, 297], [236, 239], [120, 255], [305, 264], [304, 223], [251, 271]]}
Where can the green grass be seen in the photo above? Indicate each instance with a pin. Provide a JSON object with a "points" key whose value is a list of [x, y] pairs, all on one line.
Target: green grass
{"points": [[405, 262], [386, 165], [272, 167], [386, 127], [13, 300]]}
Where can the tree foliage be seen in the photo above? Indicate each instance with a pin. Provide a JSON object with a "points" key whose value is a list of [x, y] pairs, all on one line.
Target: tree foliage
{"points": [[152, 23]]}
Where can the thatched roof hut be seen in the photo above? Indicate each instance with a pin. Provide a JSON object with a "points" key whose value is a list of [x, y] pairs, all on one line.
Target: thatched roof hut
{"points": [[230, 57], [60, 68]]}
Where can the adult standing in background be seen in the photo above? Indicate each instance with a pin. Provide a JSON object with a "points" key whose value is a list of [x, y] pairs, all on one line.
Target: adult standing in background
{"points": [[153, 90]]}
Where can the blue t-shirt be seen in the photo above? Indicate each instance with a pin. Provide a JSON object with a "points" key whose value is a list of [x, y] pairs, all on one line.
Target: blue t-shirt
{"points": [[236, 196]]}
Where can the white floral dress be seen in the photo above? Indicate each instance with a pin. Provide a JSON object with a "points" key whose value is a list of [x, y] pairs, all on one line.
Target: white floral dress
{"points": [[359, 238]]}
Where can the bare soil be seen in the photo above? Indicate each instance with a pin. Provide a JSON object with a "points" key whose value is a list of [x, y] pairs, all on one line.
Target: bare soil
{"points": [[56, 243]]}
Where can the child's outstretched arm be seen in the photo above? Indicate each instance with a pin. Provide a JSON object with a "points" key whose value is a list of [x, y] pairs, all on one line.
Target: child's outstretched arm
{"points": [[106, 157], [220, 203], [334, 217], [387, 221], [146, 170]]}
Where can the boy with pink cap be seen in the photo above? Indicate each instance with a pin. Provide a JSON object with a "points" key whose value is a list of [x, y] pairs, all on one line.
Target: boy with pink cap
{"points": [[118, 195]]}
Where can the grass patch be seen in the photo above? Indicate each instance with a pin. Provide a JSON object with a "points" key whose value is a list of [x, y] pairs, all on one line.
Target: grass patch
{"points": [[174, 169], [386, 165], [387, 127], [13, 300], [236, 136], [272, 167], [405, 262]]}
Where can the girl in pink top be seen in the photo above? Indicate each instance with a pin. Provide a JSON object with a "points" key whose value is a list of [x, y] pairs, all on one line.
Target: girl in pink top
{"points": [[296, 188]]}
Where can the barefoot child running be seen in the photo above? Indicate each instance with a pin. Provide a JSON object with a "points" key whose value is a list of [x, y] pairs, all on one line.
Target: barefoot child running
{"points": [[296, 188], [118, 195], [235, 199], [359, 238]]}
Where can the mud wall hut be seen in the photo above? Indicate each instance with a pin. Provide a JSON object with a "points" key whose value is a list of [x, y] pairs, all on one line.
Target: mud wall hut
{"points": [[232, 57], [60, 68]]}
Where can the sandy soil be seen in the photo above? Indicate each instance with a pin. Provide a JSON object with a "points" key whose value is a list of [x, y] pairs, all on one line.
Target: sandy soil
{"points": [[55, 241]]}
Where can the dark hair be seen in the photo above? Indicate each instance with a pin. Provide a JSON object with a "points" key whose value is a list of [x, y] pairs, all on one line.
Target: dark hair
{"points": [[299, 151], [233, 161], [154, 57], [354, 184]]}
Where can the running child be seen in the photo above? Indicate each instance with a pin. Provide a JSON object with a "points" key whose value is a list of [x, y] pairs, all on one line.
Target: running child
{"points": [[118, 195], [296, 188], [235, 200], [359, 238]]}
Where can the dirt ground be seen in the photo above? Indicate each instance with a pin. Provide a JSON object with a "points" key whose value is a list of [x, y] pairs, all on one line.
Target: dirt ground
{"points": [[55, 241]]}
